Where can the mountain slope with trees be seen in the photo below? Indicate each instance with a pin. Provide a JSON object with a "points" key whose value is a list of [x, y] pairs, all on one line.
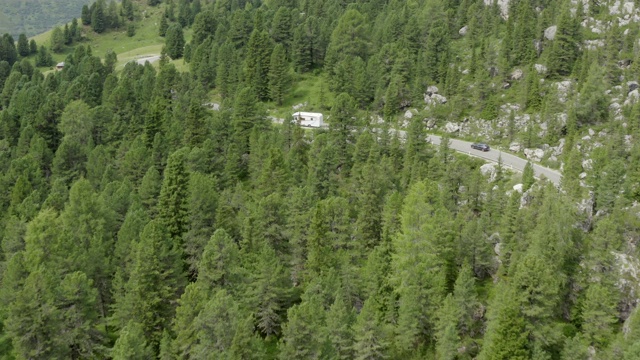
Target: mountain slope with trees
{"points": [[140, 220], [34, 17]]}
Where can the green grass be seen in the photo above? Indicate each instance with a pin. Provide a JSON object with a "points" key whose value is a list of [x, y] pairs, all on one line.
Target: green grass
{"points": [[145, 41]]}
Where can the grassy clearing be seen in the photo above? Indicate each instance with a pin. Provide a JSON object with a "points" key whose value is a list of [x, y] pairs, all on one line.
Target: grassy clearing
{"points": [[307, 88], [145, 42]]}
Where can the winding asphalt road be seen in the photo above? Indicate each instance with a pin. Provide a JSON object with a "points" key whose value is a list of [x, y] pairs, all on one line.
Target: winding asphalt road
{"points": [[508, 160]]}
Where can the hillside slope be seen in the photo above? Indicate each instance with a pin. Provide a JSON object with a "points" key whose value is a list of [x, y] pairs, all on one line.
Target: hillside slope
{"points": [[35, 16]]}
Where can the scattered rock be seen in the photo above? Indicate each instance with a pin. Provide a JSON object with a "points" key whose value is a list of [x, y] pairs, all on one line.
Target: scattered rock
{"points": [[591, 132], [489, 170], [431, 123], [212, 106], [550, 32], [493, 71], [563, 90], [451, 127], [541, 69], [432, 90], [517, 74], [463, 30], [582, 176], [633, 85], [503, 5], [628, 7], [587, 164], [518, 188], [625, 63], [506, 85], [434, 99], [593, 44], [515, 147], [408, 114], [299, 106], [586, 138], [526, 198], [534, 154]]}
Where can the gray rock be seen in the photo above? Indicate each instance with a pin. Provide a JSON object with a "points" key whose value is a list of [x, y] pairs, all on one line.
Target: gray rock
{"points": [[213, 106], [550, 32], [432, 90], [587, 164], [591, 132], [586, 138], [534, 154], [518, 188], [582, 176], [451, 127], [515, 147], [489, 170], [408, 114], [463, 30], [299, 106], [632, 85], [628, 7], [517, 74], [541, 69], [431, 123]]}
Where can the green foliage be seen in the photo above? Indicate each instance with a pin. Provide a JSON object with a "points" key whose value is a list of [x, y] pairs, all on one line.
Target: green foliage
{"points": [[175, 41], [135, 223]]}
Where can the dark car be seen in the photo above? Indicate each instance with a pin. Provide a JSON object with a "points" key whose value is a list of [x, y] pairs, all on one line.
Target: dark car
{"points": [[480, 146]]}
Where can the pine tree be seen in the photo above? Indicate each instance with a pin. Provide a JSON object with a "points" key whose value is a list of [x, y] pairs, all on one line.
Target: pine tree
{"points": [[131, 344], [278, 74], [256, 65], [175, 41], [98, 17], [173, 201], [370, 335], [23, 45], [564, 50], [57, 40], [155, 282], [86, 15], [164, 26], [527, 176]]}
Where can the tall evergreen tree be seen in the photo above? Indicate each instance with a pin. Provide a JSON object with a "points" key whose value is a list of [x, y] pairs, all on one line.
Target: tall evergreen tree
{"points": [[174, 194]]}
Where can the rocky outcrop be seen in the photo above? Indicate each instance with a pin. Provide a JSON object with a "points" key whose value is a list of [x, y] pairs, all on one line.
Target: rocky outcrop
{"points": [[432, 98], [463, 30], [451, 127], [489, 170]]}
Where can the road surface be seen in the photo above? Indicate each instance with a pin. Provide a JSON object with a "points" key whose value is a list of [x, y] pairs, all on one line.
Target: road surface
{"points": [[510, 161]]}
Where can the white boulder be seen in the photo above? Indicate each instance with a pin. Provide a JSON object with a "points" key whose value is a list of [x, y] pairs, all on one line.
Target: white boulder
{"points": [[463, 30], [541, 69], [408, 114], [451, 127], [534, 154], [518, 188], [550, 32], [515, 147]]}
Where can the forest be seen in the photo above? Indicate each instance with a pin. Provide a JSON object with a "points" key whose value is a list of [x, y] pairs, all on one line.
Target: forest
{"points": [[139, 222]]}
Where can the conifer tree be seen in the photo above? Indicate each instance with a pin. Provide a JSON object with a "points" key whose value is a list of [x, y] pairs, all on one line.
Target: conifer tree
{"points": [[23, 45], [164, 26], [98, 18], [256, 65], [173, 201], [278, 77], [175, 41]]}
